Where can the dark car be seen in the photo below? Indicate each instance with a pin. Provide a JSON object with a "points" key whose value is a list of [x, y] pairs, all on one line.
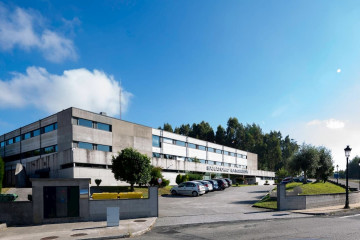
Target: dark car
{"points": [[228, 180], [215, 184], [287, 180], [221, 183]]}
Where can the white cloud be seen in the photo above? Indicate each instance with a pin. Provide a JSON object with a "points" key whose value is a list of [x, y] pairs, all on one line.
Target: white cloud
{"points": [[90, 90], [25, 29], [330, 123]]}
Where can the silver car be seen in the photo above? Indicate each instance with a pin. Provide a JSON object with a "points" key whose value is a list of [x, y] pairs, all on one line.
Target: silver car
{"points": [[188, 188], [208, 185]]}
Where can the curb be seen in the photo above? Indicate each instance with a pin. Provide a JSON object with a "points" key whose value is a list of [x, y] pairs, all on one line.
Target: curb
{"points": [[141, 232], [3, 226]]}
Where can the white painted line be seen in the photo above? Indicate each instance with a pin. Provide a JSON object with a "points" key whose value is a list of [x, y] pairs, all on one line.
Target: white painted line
{"points": [[351, 216]]}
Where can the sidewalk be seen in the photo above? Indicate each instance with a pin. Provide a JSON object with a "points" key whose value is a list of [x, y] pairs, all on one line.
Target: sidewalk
{"points": [[79, 230], [326, 210]]}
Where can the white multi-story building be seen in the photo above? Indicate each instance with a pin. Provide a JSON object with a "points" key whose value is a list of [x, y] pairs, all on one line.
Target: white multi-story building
{"points": [[75, 143]]}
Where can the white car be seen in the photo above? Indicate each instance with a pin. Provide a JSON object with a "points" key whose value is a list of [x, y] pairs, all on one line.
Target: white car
{"points": [[208, 185], [188, 188]]}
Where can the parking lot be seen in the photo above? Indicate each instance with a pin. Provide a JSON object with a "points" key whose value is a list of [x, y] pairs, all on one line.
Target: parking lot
{"points": [[232, 204]]}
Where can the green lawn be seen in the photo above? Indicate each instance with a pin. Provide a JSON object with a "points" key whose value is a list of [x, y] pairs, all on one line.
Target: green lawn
{"points": [[4, 190], [307, 189]]}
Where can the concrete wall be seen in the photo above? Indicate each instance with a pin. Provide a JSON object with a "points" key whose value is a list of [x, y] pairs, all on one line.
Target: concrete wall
{"points": [[38, 199], [129, 208], [16, 213], [287, 202]]}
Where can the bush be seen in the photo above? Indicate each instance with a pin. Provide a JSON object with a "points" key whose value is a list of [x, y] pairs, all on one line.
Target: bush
{"points": [[178, 179], [240, 180], [98, 182], [193, 176], [256, 183], [165, 183]]}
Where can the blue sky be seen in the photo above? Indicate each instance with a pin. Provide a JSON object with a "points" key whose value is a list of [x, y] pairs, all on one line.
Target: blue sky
{"points": [[285, 65]]}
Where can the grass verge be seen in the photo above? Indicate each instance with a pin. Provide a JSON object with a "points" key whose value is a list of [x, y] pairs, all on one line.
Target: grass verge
{"points": [[315, 188], [4, 190]]}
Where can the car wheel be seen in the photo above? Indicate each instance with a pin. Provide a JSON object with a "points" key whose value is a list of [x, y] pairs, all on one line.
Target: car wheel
{"points": [[173, 192], [195, 194]]}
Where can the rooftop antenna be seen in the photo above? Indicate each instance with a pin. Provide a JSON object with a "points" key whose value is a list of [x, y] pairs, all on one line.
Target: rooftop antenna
{"points": [[120, 101]]}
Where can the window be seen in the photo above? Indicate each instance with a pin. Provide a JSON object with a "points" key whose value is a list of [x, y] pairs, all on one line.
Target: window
{"points": [[218, 151], [210, 149], [226, 153], [155, 141], [104, 148], [180, 158], [232, 154], [218, 163], [49, 128], [55, 126], [168, 140], [9, 141], [180, 143], [201, 147], [36, 152], [27, 136], [85, 123], [85, 145], [2, 144], [36, 133], [210, 162], [239, 155], [156, 155], [50, 149], [103, 126], [17, 139], [190, 145]]}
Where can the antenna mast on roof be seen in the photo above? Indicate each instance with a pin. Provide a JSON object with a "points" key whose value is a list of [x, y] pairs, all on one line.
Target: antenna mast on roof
{"points": [[120, 101]]}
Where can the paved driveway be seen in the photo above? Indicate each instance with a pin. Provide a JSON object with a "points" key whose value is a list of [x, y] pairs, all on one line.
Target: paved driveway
{"points": [[233, 204]]}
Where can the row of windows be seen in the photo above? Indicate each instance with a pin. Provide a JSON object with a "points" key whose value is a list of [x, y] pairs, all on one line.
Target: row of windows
{"points": [[32, 153], [168, 156], [92, 124], [28, 135], [157, 143], [91, 146], [88, 165]]}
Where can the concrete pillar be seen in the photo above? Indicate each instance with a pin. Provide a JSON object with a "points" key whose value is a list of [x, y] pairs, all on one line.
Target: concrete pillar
{"points": [[281, 195]]}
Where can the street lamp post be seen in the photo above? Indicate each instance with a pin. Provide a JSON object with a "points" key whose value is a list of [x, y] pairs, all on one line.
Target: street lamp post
{"points": [[337, 178], [359, 176], [347, 154]]}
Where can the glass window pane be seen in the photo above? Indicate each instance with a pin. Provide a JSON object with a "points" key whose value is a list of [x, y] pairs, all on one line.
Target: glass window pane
{"points": [[218, 151], [104, 148], [211, 162], [85, 123], [49, 128], [49, 149], [210, 149], [180, 158], [85, 145], [180, 143], [36, 152], [201, 147], [167, 140], [17, 139], [2, 144], [55, 126], [9, 141], [103, 126], [156, 155], [36, 132], [226, 153], [27, 136], [190, 145], [155, 141], [202, 161]]}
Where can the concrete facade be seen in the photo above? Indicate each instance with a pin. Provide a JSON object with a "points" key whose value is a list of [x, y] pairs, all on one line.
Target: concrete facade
{"points": [[75, 143]]}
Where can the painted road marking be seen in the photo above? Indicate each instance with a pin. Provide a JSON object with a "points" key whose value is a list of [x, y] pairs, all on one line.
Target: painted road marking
{"points": [[350, 216]]}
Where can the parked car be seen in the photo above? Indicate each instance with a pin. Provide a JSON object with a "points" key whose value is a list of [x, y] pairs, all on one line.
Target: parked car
{"points": [[287, 180], [215, 184], [188, 188], [222, 183], [228, 181], [200, 182], [208, 185]]}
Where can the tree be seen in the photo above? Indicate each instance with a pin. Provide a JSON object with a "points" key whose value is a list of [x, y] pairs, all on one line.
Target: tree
{"points": [[306, 159], [132, 167], [167, 127], [155, 174], [196, 160], [281, 174], [325, 167], [1, 172], [220, 136]]}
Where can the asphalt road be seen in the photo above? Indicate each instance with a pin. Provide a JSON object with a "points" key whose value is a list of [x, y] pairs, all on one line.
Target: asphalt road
{"points": [[335, 227], [233, 204]]}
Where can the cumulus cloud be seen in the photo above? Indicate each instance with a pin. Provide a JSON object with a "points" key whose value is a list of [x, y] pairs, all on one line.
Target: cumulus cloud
{"points": [[90, 90], [330, 123], [25, 29]]}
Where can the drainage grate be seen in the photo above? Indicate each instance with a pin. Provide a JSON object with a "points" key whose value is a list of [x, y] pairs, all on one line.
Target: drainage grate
{"points": [[79, 235], [49, 238], [140, 220]]}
